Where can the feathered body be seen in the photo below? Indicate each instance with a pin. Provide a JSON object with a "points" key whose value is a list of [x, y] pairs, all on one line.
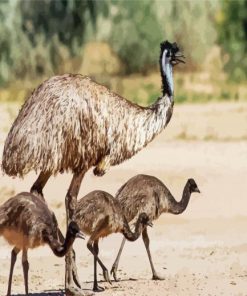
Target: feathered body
{"points": [[144, 193], [72, 123], [99, 208], [24, 219]]}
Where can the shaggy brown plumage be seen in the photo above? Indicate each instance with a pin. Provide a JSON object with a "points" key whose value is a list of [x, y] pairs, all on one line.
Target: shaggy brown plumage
{"points": [[72, 123], [26, 222], [148, 194], [98, 214]]}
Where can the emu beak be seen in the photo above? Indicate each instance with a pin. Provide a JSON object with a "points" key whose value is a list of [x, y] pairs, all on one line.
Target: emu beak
{"points": [[80, 235], [197, 190], [149, 223]]}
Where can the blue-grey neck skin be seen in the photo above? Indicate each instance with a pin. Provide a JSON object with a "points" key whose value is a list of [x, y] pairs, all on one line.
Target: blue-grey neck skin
{"points": [[166, 73]]}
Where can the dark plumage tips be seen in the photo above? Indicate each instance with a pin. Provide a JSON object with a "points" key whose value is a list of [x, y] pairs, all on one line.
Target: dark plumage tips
{"points": [[169, 46]]}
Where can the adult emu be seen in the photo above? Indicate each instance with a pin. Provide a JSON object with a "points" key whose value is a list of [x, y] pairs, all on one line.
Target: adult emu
{"points": [[71, 123]]}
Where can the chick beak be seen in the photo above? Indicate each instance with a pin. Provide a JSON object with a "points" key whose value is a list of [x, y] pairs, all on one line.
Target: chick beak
{"points": [[197, 190], [80, 235], [149, 223]]}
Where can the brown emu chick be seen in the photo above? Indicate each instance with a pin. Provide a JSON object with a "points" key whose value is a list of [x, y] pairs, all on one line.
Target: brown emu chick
{"points": [[98, 214], [26, 223], [148, 194]]}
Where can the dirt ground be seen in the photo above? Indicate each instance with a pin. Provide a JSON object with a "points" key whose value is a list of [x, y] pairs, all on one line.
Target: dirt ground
{"points": [[201, 252]]}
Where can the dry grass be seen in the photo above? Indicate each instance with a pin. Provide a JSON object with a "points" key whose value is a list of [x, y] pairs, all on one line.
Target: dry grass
{"points": [[189, 87]]}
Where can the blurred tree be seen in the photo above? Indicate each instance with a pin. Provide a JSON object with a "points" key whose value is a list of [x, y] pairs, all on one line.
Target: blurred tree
{"points": [[66, 19], [135, 29], [191, 25], [135, 33], [37, 35], [232, 24]]}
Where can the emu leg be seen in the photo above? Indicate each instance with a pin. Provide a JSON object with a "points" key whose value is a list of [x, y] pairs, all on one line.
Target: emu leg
{"points": [[94, 238], [104, 269], [14, 254], [116, 262], [39, 184], [72, 285], [146, 243], [25, 266], [96, 287]]}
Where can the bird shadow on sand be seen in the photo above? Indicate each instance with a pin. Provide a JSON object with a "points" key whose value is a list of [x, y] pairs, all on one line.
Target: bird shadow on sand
{"points": [[48, 293], [45, 293], [119, 281]]}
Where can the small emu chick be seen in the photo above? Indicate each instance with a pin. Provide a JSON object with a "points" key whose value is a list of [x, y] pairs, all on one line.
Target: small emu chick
{"points": [[26, 222], [98, 214], [148, 194]]}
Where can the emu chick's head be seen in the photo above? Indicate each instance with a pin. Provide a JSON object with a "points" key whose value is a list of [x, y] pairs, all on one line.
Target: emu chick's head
{"points": [[173, 54], [74, 230], [193, 186], [144, 219]]}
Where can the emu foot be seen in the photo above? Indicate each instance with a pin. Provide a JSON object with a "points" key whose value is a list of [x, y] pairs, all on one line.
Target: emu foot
{"points": [[97, 288], [106, 276], [157, 277], [114, 273]]}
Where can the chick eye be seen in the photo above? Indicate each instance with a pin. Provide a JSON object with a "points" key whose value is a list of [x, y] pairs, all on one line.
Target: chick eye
{"points": [[168, 54]]}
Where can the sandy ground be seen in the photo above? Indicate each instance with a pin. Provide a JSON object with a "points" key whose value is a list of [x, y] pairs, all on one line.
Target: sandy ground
{"points": [[201, 252]]}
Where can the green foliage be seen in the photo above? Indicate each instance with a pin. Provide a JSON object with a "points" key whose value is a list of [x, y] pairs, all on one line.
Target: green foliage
{"points": [[36, 36], [232, 25], [66, 19], [138, 27], [136, 41], [44, 37]]}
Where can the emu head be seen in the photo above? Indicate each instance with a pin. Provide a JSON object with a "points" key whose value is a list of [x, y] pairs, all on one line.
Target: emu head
{"points": [[74, 230], [193, 186], [170, 56], [170, 53]]}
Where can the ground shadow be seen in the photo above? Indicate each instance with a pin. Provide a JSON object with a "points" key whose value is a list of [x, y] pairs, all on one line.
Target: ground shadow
{"points": [[119, 280], [62, 292], [45, 293], [48, 293]]}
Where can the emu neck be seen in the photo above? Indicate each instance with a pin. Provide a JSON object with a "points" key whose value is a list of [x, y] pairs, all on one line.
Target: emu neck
{"points": [[146, 125], [166, 75], [59, 249], [128, 234], [179, 207], [167, 81]]}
